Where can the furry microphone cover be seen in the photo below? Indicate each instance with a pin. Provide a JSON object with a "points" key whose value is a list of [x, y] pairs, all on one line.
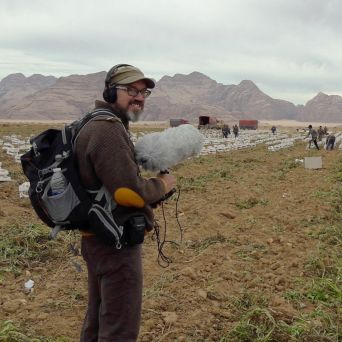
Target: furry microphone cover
{"points": [[160, 151]]}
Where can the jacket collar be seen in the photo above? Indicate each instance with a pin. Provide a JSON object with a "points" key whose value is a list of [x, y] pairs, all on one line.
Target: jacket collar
{"points": [[107, 106]]}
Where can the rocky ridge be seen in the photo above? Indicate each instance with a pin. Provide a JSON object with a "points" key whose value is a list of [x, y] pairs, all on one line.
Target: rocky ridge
{"points": [[41, 97]]}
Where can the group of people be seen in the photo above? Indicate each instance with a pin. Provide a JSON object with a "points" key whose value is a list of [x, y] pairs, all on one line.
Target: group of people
{"points": [[226, 130], [318, 136]]}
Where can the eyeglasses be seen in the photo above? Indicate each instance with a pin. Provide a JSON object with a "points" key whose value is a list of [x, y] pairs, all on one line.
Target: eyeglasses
{"points": [[135, 92]]}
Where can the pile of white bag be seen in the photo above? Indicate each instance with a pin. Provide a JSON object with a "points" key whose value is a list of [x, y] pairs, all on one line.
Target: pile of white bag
{"points": [[4, 174]]}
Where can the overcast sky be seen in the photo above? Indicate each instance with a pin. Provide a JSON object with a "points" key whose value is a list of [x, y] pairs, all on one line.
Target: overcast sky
{"points": [[290, 48]]}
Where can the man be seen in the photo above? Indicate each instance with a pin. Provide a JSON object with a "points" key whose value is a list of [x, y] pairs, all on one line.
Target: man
{"points": [[225, 131], [314, 135], [330, 141], [236, 131], [320, 133], [106, 157]]}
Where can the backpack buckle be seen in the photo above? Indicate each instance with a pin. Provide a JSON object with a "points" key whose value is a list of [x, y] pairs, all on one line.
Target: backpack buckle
{"points": [[35, 149], [39, 187]]}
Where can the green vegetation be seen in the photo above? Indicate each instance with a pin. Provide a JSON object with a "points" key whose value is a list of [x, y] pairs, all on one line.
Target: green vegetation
{"points": [[284, 167], [251, 202], [25, 246], [10, 333], [202, 181], [256, 325], [205, 243], [231, 255], [158, 288], [320, 287]]}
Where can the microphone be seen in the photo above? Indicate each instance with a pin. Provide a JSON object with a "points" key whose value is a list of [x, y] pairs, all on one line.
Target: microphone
{"points": [[159, 151]]}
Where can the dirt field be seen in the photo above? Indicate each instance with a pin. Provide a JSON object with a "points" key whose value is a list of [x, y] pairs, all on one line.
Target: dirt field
{"points": [[260, 258]]}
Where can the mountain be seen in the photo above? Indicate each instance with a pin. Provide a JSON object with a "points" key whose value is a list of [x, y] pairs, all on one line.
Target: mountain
{"points": [[196, 94], [324, 106], [183, 96], [66, 98], [16, 87], [41, 97]]}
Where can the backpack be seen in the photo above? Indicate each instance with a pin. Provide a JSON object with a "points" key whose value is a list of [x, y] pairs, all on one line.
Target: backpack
{"points": [[76, 207]]}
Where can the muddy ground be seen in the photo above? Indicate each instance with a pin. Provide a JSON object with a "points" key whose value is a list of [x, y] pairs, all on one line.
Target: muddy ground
{"points": [[259, 258]]}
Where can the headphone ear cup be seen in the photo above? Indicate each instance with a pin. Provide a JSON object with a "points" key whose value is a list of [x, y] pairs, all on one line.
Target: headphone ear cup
{"points": [[109, 94]]}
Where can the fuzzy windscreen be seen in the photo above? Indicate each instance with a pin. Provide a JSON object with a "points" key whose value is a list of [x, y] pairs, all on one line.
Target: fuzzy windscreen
{"points": [[163, 150]]}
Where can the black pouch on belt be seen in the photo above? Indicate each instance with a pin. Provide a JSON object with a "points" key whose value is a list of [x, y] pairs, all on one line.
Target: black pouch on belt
{"points": [[134, 230]]}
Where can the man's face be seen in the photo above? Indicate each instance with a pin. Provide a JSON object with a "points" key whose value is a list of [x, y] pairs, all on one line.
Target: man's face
{"points": [[131, 106]]}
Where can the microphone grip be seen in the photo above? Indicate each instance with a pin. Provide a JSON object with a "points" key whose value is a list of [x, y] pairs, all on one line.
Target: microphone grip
{"points": [[164, 198], [167, 195]]}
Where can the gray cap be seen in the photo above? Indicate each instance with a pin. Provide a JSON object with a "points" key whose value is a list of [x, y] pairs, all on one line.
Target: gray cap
{"points": [[126, 74]]}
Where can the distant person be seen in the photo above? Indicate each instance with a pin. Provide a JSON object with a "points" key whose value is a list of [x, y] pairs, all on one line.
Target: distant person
{"points": [[314, 135], [273, 129], [320, 133], [330, 141], [236, 131], [325, 129], [225, 131]]}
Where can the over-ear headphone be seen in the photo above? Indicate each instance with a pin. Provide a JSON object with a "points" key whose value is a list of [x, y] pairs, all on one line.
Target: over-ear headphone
{"points": [[109, 92]]}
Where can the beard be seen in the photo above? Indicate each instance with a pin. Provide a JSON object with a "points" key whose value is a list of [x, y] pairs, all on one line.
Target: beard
{"points": [[134, 111], [133, 116]]}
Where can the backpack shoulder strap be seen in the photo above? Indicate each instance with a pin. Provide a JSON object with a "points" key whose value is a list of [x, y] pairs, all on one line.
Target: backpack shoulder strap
{"points": [[78, 125]]}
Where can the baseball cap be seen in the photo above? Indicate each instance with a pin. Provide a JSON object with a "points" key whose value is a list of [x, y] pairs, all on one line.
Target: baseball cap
{"points": [[126, 74]]}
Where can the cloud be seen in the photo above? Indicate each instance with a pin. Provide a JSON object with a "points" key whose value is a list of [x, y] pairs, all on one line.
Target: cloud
{"points": [[286, 47]]}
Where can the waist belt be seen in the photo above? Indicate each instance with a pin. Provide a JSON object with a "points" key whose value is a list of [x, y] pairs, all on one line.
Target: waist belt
{"points": [[85, 234]]}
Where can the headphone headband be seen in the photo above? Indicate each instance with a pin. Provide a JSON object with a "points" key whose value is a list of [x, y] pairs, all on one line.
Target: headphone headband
{"points": [[112, 71]]}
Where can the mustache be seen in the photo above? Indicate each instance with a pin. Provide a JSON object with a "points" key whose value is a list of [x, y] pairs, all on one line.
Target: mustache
{"points": [[139, 103]]}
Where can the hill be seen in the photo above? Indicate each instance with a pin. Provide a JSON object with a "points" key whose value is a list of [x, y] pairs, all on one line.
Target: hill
{"points": [[48, 98]]}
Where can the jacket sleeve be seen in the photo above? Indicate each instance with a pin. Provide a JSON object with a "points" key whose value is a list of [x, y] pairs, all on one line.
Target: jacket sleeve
{"points": [[112, 155]]}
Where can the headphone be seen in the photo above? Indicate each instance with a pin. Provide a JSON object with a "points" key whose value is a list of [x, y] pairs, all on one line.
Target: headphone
{"points": [[109, 93]]}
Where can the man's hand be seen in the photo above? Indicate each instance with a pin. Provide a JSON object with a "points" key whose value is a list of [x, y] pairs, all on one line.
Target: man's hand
{"points": [[169, 181]]}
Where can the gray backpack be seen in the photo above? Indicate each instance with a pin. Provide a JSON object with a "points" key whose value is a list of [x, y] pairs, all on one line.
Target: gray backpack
{"points": [[75, 207]]}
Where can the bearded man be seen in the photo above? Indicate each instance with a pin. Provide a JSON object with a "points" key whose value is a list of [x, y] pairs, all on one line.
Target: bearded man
{"points": [[105, 156]]}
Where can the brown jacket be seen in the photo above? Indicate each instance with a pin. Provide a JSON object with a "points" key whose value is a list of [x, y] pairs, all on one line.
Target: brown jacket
{"points": [[105, 156]]}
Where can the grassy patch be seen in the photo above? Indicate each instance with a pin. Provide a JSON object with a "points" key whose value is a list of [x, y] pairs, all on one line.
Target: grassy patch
{"points": [[330, 234], [321, 194], [201, 181], [249, 300], [158, 288], [250, 203], [201, 245], [325, 291], [263, 325], [25, 246], [9, 332], [284, 167], [256, 325]]}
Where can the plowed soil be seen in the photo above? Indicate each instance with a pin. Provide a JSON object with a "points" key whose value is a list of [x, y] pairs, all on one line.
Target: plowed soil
{"points": [[249, 222]]}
